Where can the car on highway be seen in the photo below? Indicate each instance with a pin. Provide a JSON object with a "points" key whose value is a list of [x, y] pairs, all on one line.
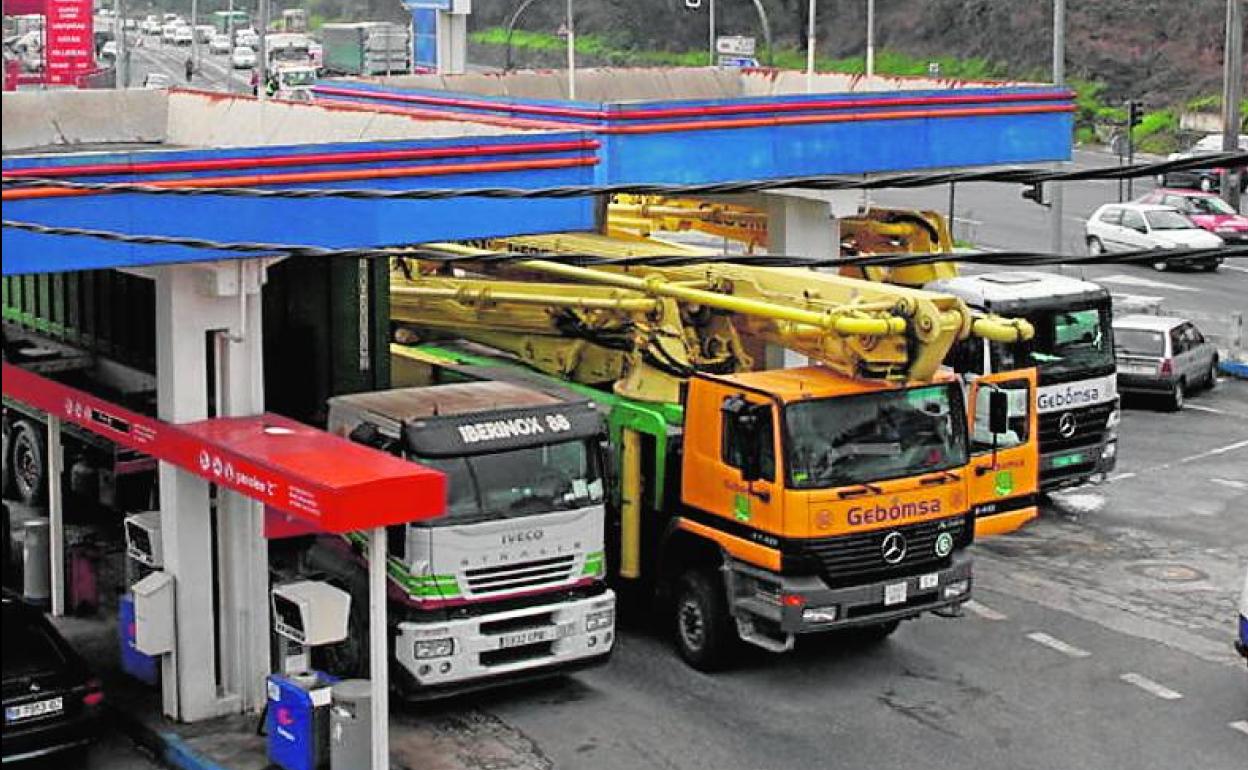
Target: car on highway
{"points": [[1241, 643], [219, 44], [168, 32], [1204, 179], [52, 701], [150, 25], [1135, 226], [1205, 209], [204, 32], [1163, 355], [156, 80], [243, 58], [108, 52], [183, 35]]}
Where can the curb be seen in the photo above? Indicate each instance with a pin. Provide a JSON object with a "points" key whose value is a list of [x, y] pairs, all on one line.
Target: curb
{"points": [[1234, 368], [168, 747]]}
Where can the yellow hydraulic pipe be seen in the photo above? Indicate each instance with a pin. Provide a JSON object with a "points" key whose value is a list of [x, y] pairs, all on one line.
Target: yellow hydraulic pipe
{"points": [[630, 505], [999, 329], [653, 284], [487, 296]]}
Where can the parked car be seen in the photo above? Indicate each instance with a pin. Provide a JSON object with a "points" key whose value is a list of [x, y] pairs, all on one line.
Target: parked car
{"points": [[1163, 355], [1204, 179], [157, 80], [1205, 209], [1133, 226], [1241, 643], [52, 702], [243, 58], [183, 36], [108, 52], [219, 44], [248, 37]]}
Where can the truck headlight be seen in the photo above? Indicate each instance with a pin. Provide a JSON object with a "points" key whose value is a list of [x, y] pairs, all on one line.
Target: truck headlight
{"points": [[1109, 450], [1114, 418], [434, 648], [596, 621], [819, 614]]}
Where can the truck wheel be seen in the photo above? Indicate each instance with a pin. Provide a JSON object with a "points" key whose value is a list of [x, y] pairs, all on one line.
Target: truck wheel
{"points": [[10, 489], [29, 461], [1178, 396], [705, 636]]}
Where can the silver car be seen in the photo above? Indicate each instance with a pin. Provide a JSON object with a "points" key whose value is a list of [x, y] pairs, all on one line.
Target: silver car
{"points": [[1163, 355], [1139, 226]]}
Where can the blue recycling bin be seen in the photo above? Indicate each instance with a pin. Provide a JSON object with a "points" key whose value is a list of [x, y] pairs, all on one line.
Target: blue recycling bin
{"points": [[297, 720], [145, 668]]}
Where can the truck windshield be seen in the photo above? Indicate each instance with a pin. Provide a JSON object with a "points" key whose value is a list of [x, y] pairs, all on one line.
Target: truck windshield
{"points": [[519, 482], [835, 442], [1066, 341]]}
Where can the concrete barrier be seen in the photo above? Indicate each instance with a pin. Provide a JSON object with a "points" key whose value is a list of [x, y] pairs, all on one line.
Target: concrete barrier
{"points": [[38, 119]]}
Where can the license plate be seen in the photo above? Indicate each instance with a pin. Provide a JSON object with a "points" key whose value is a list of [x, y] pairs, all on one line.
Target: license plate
{"points": [[928, 581], [32, 710], [534, 636], [1130, 369], [1064, 460], [894, 594]]}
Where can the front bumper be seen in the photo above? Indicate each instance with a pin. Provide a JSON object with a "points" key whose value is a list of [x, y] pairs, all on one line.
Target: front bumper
{"points": [[516, 644], [23, 742], [861, 605], [1072, 467]]}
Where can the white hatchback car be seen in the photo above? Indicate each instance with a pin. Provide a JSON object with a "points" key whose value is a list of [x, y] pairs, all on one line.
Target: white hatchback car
{"points": [[1136, 226], [243, 58]]}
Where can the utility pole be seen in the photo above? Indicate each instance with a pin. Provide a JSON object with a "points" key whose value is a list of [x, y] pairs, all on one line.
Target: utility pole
{"points": [[1059, 79], [571, 53], [121, 67], [1232, 91], [870, 38], [810, 47], [195, 35], [262, 91], [712, 53]]}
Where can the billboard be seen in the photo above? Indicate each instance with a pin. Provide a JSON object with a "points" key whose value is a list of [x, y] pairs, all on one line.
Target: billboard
{"points": [[69, 48]]}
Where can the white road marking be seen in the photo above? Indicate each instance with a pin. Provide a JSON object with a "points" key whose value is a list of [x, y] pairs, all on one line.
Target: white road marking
{"points": [[1149, 686], [1241, 726], [1054, 643], [1236, 268], [1135, 280], [1201, 408], [1219, 451], [984, 611], [1241, 485], [1121, 477]]}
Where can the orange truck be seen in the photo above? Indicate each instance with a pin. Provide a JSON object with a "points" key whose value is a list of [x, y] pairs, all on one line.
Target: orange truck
{"points": [[753, 504]]}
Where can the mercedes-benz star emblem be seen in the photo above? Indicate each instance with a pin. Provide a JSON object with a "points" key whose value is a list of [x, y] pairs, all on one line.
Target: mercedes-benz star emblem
{"points": [[1066, 425], [894, 547]]}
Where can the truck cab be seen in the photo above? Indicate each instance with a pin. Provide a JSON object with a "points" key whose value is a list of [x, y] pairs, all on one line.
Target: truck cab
{"points": [[1073, 350], [510, 583]]}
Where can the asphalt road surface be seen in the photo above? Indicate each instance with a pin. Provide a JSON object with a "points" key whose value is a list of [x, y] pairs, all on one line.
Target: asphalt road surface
{"points": [[1100, 637], [148, 54]]}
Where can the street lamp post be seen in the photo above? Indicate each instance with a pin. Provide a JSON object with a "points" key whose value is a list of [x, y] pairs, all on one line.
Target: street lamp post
{"points": [[1059, 79], [810, 47], [710, 24], [571, 25], [870, 38], [1232, 92]]}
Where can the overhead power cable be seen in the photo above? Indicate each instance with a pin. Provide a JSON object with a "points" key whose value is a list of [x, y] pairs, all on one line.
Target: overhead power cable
{"points": [[1017, 175], [999, 258]]}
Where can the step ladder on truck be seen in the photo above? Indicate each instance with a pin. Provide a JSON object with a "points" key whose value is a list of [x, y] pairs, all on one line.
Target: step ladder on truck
{"points": [[753, 503]]}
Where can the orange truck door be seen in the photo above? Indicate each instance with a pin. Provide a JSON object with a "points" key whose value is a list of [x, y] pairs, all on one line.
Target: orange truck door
{"points": [[1005, 481]]}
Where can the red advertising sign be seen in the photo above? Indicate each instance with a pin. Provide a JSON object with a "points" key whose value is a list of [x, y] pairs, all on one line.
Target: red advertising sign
{"points": [[331, 483], [69, 40]]}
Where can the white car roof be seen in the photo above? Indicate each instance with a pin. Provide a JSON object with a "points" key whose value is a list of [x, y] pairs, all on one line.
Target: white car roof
{"points": [[1139, 206], [1157, 323], [987, 288]]}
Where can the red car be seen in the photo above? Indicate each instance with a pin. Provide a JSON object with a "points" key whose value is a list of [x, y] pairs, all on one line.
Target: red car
{"points": [[1205, 209]]}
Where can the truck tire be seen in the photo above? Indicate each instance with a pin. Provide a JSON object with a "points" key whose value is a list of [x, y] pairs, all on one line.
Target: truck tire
{"points": [[705, 634], [10, 489], [29, 461]]}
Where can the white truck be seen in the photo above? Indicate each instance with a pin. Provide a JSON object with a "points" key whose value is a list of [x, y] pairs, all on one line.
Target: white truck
{"points": [[1073, 349], [510, 583]]}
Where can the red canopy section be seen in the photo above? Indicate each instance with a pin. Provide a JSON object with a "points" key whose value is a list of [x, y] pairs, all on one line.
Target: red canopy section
{"points": [[331, 483]]}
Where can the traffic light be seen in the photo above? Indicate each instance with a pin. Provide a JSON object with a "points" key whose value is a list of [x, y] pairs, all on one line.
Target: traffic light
{"points": [[1135, 113], [1035, 192]]}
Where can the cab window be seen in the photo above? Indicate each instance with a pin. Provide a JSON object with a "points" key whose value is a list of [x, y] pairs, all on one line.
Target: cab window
{"points": [[1017, 399], [734, 445]]}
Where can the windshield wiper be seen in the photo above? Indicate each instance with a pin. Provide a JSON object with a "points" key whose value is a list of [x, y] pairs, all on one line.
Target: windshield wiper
{"points": [[861, 489]]}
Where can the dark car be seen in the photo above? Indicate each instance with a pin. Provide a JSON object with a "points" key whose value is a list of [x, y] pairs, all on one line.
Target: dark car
{"points": [[52, 703], [1205, 179]]}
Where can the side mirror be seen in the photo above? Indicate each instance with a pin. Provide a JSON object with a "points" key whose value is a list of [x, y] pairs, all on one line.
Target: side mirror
{"points": [[998, 412]]}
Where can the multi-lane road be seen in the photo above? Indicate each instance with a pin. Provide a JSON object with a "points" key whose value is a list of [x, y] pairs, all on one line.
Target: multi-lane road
{"points": [[148, 54]]}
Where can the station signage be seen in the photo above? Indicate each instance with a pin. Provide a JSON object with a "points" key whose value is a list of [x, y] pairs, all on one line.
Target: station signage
{"points": [[69, 46], [734, 45]]}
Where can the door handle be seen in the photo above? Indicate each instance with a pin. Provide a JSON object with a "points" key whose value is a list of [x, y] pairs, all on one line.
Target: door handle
{"points": [[983, 470]]}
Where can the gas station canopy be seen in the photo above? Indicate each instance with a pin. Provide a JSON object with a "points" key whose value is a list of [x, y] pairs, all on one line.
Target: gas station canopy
{"points": [[331, 483]]}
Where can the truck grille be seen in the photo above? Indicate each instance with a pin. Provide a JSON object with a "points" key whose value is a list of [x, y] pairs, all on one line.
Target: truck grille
{"points": [[1089, 427], [859, 558], [525, 576]]}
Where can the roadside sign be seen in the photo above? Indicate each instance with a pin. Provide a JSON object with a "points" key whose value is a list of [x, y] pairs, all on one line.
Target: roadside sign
{"points": [[737, 61], [734, 45]]}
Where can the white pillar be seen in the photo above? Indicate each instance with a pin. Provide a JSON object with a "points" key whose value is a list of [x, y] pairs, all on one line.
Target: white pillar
{"points": [[56, 518], [452, 40], [378, 652], [198, 305]]}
